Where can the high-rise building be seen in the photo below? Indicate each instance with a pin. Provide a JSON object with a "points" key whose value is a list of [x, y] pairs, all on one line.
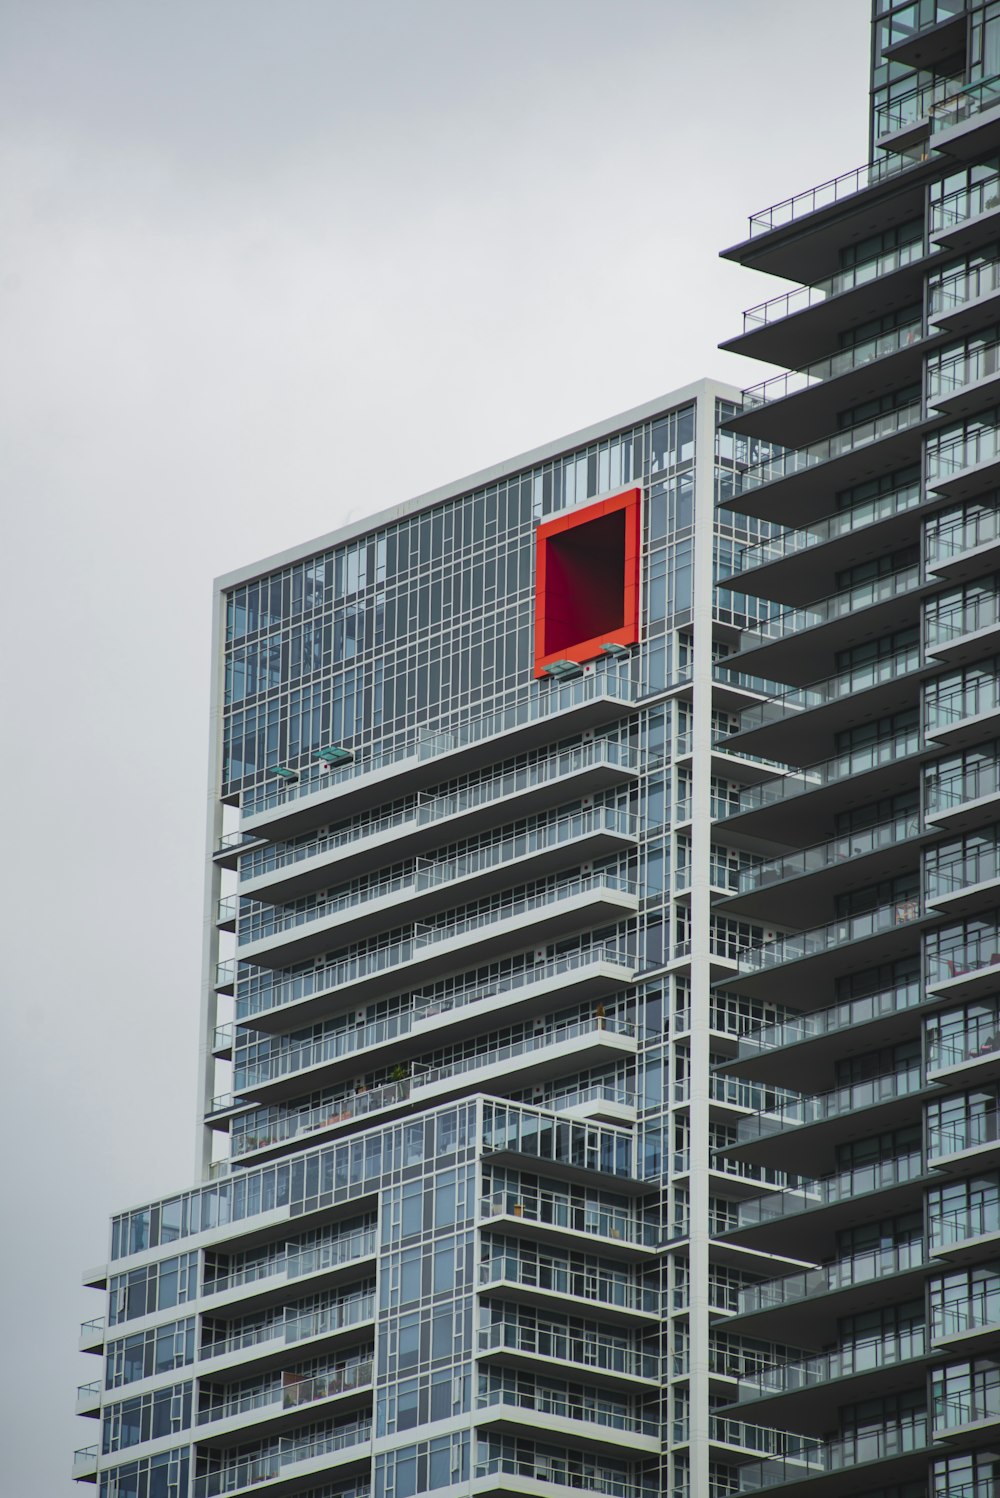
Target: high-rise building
{"points": [[880, 1069], [456, 1227]]}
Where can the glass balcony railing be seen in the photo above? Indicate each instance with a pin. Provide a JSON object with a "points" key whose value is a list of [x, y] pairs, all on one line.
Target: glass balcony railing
{"points": [[965, 616], [779, 387], [551, 1473], [560, 1279], [969, 955], [343, 1250], [837, 1103], [293, 1392], [303, 1054], [847, 766], [977, 865], [953, 701], [953, 289], [826, 1191], [262, 992], [579, 1351], [756, 1438], [980, 1037], [859, 1011], [344, 1110], [849, 1360], [340, 1314], [578, 1214], [838, 606], [858, 1269], [966, 202], [914, 106], [947, 458], [956, 1318], [959, 104], [425, 1076], [557, 698], [953, 537], [852, 439], [549, 1404], [825, 194], [862, 678], [953, 372], [968, 1408], [979, 1219], [844, 523], [829, 855], [835, 1456], [947, 789], [954, 1135], [794, 948], [802, 297], [427, 1008], [253, 1470], [84, 1461], [92, 1330]]}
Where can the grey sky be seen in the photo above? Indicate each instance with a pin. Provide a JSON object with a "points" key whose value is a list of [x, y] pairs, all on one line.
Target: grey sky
{"points": [[266, 265]]}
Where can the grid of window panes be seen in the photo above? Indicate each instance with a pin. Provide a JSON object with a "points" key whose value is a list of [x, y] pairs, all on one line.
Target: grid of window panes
{"points": [[430, 619]]}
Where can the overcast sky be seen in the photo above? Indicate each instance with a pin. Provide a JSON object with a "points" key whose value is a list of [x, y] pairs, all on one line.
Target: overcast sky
{"points": [[265, 266]]}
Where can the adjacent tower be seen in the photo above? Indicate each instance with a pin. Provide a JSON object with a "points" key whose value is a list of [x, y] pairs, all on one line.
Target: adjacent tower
{"points": [[880, 845]]}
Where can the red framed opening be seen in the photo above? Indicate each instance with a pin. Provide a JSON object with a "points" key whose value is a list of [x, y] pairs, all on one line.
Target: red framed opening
{"points": [[587, 580]]}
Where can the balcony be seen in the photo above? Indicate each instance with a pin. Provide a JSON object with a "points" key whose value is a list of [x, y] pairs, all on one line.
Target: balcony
{"points": [[85, 1464], [975, 1137], [907, 119], [273, 1133], [573, 1417], [339, 1321], [545, 1283], [345, 1252], [278, 1074], [965, 1234], [964, 797], [966, 218], [962, 1325], [799, 486], [964, 967], [303, 1459], [543, 1476], [604, 1361], [963, 547], [88, 1399], [963, 383], [902, 1448], [830, 1204], [799, 1393], [801, 1134], [806, 1306], [800, 886], [92, 1335], [277, 1002], [559, 1136], [294, 1393], [801, 723], [285, 871], [964, 885], [858, 941], [966, 465], [966, 122], [825, 387], [790, 648], [968, 1055], [559, 710], [566, 1219]]}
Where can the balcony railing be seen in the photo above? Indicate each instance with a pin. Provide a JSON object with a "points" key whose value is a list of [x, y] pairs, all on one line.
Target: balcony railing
{"points": [[576, 1213], [964, 616], [578, 1350], [252, 1470], [351, 1311], [779, 307], [915, 105], [975, 952], [559, 1279], [947, 789], [979, 864], [977, 1220], [981, 1037], [955, 288], [852, 439], [844, 523], [303, 1054], [826, 856], [957, 1134], [835, 1456], [955, 1318], [953, 537], [342, 1250], [343, 1110], [778, 387], [838, 1102], [542, 972], [953, 455], [958, 104], [838, 606], [968, 1408], [863, 1180], [954, 371], [849, 1360], [552, 1404], [855, 762], [858, 1269], [293, 1392], [862, 678], [431, 743], [965, 203], [549, 1473], [424, 1076], [794, 948], [824, 194]]}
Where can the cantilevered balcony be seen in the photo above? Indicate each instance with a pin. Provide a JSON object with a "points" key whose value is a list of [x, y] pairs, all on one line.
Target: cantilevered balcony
{"points": [[964, 1235], [961, 629], [963, 797], [549, 1346], [965, 300], [801, 1393], [85, 1464], [799, 887], [907, 118], [965, 123], [805, 1307], [570, 1219], [966, 883], [275, 936], [804, 1134], [798, 645], [547, 1283], [269, 1133], [545, 1476], [813, 1214], [284, 871], [276, 1002], [92, 1335], [801, 723], [967, 1326], [969, 1418], [801, 407], [341, 1321], [876, 1458], [259, 1412], [436, 755], [815, 958], [800, 485], [966, 218], [964, 465], [962, 383], [970, 1141], [568, 1416], [349, 1445], [961, 547], [329, 1261], [88, 1398], [964, 965]]}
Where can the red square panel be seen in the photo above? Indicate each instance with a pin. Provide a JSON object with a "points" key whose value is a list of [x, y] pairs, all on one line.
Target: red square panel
{"points": [[587, 580]]}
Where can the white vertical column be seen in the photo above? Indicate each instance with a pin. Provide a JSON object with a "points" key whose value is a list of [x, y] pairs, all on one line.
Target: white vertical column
{"points": [[213, 885]]}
